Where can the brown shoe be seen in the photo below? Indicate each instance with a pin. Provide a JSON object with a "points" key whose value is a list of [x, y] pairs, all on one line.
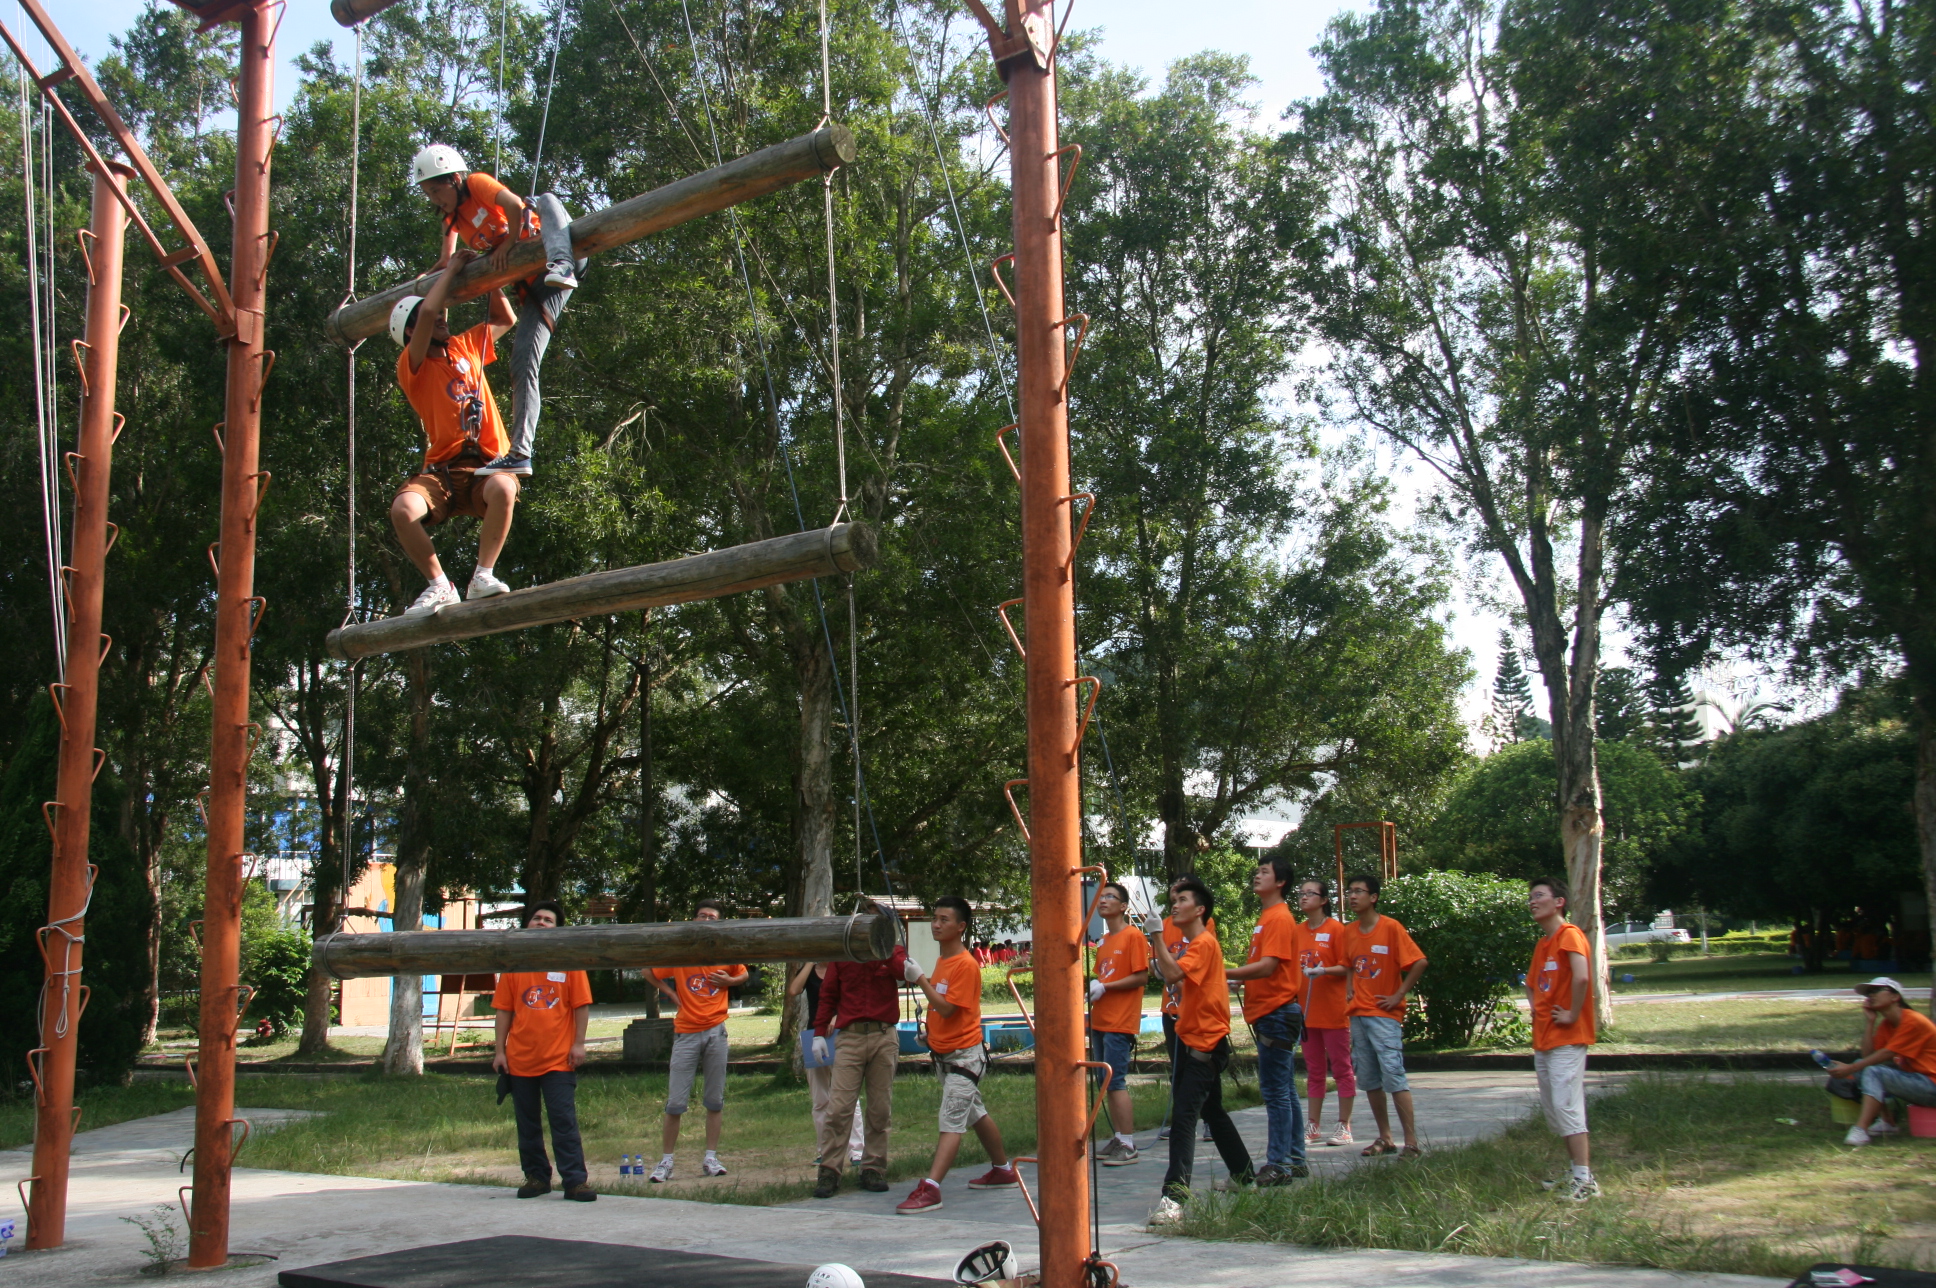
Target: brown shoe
{"points": [[872, 1181], [581, 1193], [827, 1185], [533, 1187]]}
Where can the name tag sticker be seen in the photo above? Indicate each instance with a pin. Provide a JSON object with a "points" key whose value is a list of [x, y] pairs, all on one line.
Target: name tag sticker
{"points": [[942, 988], [1325, 938], [555, 976], [1551, 966], [1380, 948]]}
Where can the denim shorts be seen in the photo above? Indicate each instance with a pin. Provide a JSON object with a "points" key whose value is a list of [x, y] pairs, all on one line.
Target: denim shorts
{"points": [[1114, 1050], [1378, 1053]]}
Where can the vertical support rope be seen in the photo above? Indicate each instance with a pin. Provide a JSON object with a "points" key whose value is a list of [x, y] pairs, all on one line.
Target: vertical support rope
{"points": [[348, 767], [551, 80], [43, 434], [497, 126]]}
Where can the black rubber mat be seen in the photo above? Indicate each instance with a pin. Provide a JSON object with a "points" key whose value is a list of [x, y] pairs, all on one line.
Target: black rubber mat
{"points": [[530, 1262]]}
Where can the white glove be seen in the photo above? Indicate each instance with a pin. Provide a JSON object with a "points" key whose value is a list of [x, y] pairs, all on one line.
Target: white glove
{"points": [[1312, 972], [912, 972], [820, 1050], [1096, 990]]}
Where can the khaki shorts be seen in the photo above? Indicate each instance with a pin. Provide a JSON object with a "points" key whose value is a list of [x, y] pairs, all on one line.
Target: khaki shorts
{"points": [[450, 489], [961, 1106]]}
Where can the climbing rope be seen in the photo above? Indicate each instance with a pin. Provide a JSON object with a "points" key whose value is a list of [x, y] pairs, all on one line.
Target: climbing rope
{"points": [[544, 122], [348, 772], [45, 408], [497, 125]]}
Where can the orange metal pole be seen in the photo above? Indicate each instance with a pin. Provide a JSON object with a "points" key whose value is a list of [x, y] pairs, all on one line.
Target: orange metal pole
{"points": [[64, 997], [236, 614], [1048, 584]]}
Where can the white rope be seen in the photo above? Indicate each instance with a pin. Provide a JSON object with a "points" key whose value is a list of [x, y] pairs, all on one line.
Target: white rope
{"points": [[347, 769], [497, 126], [45, 431], [544, 122]]}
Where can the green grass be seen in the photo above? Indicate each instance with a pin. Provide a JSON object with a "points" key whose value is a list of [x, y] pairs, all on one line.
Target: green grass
{"points": [[448, 1127], [1736, 1024], [1698, 1174], [1741, 972]]}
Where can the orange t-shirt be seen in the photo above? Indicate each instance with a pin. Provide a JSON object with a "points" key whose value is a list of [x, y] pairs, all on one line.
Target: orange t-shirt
{"points": [[1378, 959], [453, 399], [1203, 1015], [1551, 979], [1324, 994], [1275, 935], [480, 223], [1173, 940], [702, 1003], [1122, 953], [543, 1006], [957, 979], [1912, 1039]]}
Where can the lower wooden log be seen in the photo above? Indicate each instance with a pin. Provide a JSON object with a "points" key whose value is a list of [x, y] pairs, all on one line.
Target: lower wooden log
{"points": [[621, 946], [818, 552]]}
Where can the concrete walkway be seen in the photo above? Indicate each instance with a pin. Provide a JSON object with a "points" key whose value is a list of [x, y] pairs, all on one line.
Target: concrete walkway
{"points": [[303, 1219]]}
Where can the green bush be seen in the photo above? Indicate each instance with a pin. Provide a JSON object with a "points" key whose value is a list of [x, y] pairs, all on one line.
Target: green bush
{"points": [[278, 970], [1476, 932], [994, 984]]}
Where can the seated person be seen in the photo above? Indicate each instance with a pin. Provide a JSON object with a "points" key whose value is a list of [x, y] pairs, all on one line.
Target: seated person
{"points": [[1898, 1059]]}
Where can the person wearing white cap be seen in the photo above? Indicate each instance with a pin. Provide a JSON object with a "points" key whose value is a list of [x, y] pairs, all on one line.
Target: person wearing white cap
{"points": [[483, 214], [442, 375], [1898, 1059]]}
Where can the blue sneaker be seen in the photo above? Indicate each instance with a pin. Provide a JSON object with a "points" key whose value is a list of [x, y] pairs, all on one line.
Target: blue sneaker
{"points": [[509, 463]]}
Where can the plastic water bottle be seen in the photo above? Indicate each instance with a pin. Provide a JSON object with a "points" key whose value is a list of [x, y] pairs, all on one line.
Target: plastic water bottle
{"points": [[1821, 1058], [624, 1164]]}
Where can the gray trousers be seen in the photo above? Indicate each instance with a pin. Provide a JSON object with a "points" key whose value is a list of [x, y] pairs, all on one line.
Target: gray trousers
{"points": [[539, 308]]}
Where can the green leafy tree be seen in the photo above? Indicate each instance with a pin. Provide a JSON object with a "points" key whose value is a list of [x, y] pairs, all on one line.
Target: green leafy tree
{"points": [[1498, 818], [1475, 931], [1673, 727], [1620, 708], [1502, 255]]}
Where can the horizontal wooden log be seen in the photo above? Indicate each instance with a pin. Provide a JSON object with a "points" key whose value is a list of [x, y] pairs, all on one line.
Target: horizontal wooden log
{"points": [[611, 946], [756, 175], [818, 552]]}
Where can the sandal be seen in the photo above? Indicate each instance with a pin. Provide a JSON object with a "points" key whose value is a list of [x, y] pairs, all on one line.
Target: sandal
{"points": [[1411, 1151], [1380, 1146]]}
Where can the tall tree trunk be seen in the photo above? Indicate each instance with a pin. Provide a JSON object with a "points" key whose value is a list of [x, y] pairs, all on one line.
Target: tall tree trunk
{"points": [[403, 1051]]}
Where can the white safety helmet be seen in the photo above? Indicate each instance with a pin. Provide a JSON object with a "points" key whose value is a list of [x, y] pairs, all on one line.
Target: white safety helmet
{"points": [[436, 161], [400, 317], [989, 1262], [834, 1275]]}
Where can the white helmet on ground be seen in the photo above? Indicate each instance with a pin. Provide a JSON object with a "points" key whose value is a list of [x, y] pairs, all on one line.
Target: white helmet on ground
{"points": [[400, 317], [991, 1261], [436, 161], [834, 1275]]}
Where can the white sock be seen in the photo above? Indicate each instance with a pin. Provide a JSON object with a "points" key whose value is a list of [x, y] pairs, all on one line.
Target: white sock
{"points": [[440, 580], [1127, 1140], [666, 1158], [482, 571], [712, 1155], [1581, 1173]]}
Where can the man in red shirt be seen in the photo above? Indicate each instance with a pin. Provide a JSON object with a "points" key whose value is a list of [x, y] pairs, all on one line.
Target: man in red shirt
{"points": [[442, 376], [541, 1019], [698, 1043], [1559, 990], [861, 1001], [1898, 1059]]}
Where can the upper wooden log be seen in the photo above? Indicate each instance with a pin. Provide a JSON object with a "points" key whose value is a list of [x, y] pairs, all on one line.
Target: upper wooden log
{"points": [[767, 170], [818, 552], [862, 937]]}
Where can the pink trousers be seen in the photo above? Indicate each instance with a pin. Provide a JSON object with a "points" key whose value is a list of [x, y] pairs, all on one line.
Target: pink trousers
{"points": [[1329, 1050]]}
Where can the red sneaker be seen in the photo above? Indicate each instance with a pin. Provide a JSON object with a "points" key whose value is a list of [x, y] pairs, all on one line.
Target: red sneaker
{"points": [[995, 1178], [926, 1198]]}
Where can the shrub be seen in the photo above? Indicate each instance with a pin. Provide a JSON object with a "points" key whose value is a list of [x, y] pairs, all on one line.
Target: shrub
{"points": [[994, 983], [1476, 932], [278, 970]]}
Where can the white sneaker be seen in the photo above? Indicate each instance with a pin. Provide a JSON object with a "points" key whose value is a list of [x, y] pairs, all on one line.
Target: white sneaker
{"points": [[662, 1173], [1579, 1189], [711, 1167], [1342, 1136], [1313, 1134], [484, 585], [560, 273], [1856, 1136], [434, 597], [1166, 1212], [1883, 1127]]}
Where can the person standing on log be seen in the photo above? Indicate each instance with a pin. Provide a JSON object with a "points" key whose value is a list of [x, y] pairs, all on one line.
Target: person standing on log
{"points": [[698, 1042], [443, 377], [541, 1020], [861, 1003], [481, 213]]}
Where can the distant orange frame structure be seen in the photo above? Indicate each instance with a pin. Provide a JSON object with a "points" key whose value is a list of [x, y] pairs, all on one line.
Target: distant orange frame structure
{"points": [[1387, 849]]}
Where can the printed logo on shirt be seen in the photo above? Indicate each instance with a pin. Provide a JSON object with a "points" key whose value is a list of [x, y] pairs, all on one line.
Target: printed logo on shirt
{"points": [[1366, 967], [541, 997], [700, 985]]}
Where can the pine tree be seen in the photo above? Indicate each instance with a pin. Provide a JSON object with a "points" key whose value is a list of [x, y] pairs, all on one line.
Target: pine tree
{"points": [[1620, 707], [1672, 727], [1511, 717]]}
